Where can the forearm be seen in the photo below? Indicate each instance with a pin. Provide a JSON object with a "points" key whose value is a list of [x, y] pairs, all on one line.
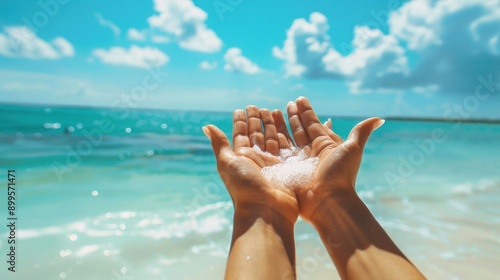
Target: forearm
{"points": [[358, 245], [262, 246]]}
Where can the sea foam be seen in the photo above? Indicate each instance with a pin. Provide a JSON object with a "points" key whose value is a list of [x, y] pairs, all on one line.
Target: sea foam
{"points": [[295, 168]]}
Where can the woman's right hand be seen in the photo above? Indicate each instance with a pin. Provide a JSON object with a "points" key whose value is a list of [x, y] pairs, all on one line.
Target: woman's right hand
{"points": [[240, 167]]}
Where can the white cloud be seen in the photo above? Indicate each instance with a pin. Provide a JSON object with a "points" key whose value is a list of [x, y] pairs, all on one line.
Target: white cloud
{"points": [[160, 39], [378, 61], [306, 44], [143, 35], [425, 23], [136, 35], [186, 22], [206, 65], [65, 48], [453, 43], [21, 42], [45, 88], [134, 56], [107, 23], [308, 52], [296, 87], [416, 35], [236, 62], [456, 41]]}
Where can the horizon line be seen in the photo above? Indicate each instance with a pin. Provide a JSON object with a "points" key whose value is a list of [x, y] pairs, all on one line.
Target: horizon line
{"points": [[388, 117]]}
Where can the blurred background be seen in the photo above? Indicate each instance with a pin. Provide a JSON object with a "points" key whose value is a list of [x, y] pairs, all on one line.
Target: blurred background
{"points": [[102, 104]]}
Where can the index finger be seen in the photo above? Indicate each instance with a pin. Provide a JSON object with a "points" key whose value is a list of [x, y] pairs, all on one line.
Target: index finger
{"points": [[299, 133]]}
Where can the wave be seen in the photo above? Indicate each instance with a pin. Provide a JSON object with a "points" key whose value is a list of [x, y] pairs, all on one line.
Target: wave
{"points": [[203, 221]]}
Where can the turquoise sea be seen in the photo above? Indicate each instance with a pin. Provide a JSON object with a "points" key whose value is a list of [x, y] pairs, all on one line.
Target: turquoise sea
{"points": [[105, 194]]}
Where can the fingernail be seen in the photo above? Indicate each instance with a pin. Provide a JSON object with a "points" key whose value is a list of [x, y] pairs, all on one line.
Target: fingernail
{"points": [[206, 131], [300, 97], [290, 103], [329, 123], [378, 124]]}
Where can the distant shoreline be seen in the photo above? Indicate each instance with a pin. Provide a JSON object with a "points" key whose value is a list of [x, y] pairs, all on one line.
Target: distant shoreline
{"points": [[447, 120], [389, 118]]}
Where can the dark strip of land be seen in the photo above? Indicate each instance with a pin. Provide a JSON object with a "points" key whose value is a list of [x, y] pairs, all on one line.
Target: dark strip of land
{"points": [[453, 120]]}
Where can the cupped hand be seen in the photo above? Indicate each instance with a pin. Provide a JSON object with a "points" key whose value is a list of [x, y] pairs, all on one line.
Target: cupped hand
{"points": [[240, 167], [339, 160]]}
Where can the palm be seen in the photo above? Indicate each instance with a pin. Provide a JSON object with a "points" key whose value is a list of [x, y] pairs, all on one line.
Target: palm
{"points": [[338, 166], [243, 172]]}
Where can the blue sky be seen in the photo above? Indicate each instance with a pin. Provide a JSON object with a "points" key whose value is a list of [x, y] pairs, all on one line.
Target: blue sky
{"points": [[383, 57]]}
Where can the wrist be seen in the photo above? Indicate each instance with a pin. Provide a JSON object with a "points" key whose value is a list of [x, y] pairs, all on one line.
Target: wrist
{"points": [[312, 199], [338, 201], [268, 205], [251, 212]]}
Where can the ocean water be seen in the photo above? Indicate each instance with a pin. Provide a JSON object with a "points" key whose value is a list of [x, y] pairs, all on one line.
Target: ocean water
{"points": [[105, 194]]}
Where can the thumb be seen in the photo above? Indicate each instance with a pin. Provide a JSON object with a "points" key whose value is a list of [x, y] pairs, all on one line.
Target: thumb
{"points": [[220, 143], [360, 133]]}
